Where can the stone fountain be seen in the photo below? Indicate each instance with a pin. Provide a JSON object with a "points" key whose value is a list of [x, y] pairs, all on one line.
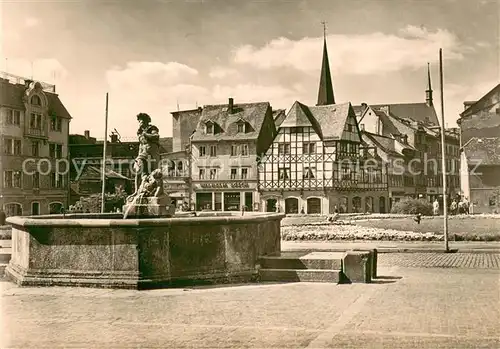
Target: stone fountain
{"points": [[152, 247]]}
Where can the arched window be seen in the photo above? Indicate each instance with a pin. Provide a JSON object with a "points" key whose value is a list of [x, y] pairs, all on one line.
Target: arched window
{"points": [[343, 205], [36, 100], [313, 206], [179, 168], [291, 205], [13, 209], [55, 207], [356, 204]]}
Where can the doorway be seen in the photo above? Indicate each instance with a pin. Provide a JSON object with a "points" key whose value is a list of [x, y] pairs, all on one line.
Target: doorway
{"points": [[35, 208], [271, 205], [292, 205], [314, 206]]}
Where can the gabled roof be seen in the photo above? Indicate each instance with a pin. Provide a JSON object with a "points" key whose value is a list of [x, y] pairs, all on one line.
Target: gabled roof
{"points": [[166, 144], [483, 151], [331, 119], [253, 113], [420, 112], [297, 116], [12, 95], [477, 106]]}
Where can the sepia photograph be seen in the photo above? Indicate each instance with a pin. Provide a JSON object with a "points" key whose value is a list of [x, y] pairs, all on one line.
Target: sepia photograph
{"points": [[250, 174]]}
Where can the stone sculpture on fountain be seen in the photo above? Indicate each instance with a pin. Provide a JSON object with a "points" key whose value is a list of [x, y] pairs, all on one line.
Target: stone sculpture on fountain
{"points": [[149, 199]]}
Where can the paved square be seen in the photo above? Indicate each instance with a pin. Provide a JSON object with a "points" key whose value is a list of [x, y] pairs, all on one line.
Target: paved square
{"points": [[405, 308]]}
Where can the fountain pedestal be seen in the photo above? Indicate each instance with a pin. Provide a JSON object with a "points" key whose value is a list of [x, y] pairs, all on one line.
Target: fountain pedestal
{"points": [[150, 207]]}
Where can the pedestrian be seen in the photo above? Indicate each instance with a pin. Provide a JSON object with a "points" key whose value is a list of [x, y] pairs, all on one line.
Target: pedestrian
{"points": [[453, 207], [435, 207]]}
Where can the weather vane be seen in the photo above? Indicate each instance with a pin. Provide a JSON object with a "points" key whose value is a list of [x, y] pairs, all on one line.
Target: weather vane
{"points": [[324, 28]]}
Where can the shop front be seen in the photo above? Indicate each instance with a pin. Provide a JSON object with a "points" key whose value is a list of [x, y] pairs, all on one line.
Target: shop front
{"points": [[226, 196]]}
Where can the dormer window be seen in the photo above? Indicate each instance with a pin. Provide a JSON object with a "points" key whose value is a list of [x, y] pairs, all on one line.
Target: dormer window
{"points": [[36, 100], [209, 128], [242, 126]]}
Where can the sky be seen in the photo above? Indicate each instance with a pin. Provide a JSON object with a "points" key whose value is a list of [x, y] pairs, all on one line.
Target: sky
{"points": [[161, 56]]}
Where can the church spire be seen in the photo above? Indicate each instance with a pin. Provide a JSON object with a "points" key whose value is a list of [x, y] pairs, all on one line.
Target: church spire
{"points": [[428, 92], [325, 93]]}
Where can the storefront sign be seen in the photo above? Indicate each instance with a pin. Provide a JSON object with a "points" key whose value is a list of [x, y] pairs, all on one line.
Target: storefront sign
{"points": [[222, 185]]}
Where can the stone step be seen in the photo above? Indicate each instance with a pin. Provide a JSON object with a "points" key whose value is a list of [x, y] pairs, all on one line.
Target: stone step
{"points": [[297, 275], [5, 254], [313, 260]]}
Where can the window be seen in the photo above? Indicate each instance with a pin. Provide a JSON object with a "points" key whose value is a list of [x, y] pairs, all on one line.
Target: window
{"points": [[56, 180], [296, 129], [36, 121], [283, 148], [346, 173], [234, 150], [213, 173], [244, 173], [13, 117], [349, 127], [244, 149], [241, 127], [35, 148], [13, 209], [36, 179], [309, 148], [283, 173], [12, 179], [213, 150], [202, 173], [55, 124], [234, 173], [203, 150], [209, 128], [12, 146], [35, 100], [55, 150], [309, 173]]}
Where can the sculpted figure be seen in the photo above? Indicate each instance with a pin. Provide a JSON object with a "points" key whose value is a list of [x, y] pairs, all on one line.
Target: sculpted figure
{"points": [[149, 156]]}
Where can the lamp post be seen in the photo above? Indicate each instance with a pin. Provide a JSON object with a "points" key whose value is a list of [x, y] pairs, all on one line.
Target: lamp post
{"points": [[443, 155], [103, 167]]}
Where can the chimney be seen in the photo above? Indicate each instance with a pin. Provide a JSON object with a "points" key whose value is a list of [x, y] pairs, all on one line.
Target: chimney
{"points": [[27, 82], [114, 138], [362, 127], [364, 106], [385, 109], [230, 107], [86, 133]]}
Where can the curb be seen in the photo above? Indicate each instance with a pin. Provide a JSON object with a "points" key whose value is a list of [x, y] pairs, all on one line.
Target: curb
{"points": [[399, 250]]}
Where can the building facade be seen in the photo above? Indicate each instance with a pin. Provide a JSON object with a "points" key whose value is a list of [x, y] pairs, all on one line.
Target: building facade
{"points": [[317, 164], [86, 161], [409, 136], [480, 152], [34, 126], [225, 146]]}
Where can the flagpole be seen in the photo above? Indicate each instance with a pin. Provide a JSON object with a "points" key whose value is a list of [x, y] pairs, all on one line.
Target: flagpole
{"points": [[103, 167], [443, 153]]}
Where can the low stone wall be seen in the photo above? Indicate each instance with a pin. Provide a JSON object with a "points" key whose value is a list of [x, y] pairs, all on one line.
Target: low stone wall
{"points": [[100, 251]]}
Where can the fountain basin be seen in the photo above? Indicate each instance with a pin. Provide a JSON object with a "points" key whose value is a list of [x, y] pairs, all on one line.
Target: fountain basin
{"points": [[102, 250]]}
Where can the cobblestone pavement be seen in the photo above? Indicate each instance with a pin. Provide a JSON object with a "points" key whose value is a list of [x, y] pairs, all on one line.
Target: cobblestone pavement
{"points": [[404, 308], [441, 260]]}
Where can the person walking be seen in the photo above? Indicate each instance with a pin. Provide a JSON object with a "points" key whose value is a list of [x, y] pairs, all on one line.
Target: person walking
{"points": [[453, 207]]}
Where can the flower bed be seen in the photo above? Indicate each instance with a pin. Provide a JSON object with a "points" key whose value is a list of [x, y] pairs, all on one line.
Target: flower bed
{"points": [[5, 232], [354, 232]]}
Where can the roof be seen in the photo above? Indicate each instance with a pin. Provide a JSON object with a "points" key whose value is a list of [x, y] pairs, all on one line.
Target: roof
{"points": [[386, 144], [12, 95], [278, 116], [483, 151], [325, 91], [331, 119], [95, 172], [298, 116], [166, 144], [253, 113], [420, 112], [477, 106]]}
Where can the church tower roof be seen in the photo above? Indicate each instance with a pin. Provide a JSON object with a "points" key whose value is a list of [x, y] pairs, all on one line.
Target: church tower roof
{"points": [[325, 93]]}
